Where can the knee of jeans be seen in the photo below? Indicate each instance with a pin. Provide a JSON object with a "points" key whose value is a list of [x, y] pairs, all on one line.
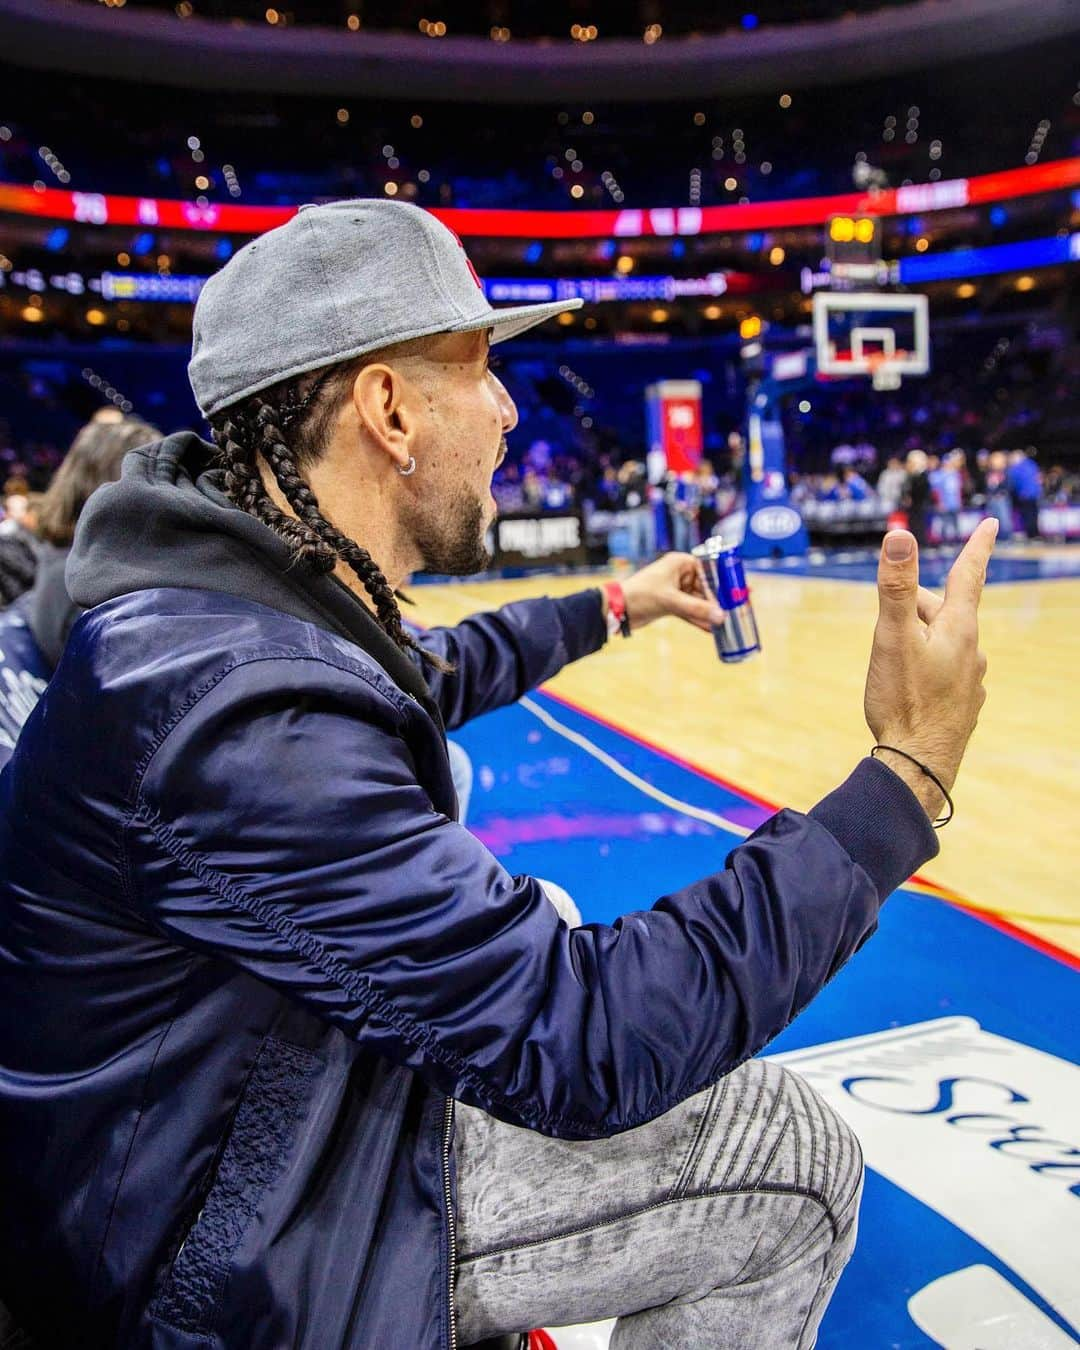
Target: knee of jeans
{"points": [[828, 1162]]}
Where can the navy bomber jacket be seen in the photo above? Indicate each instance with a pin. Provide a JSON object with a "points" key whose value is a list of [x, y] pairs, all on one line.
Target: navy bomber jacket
{"points": [[249, 958]]}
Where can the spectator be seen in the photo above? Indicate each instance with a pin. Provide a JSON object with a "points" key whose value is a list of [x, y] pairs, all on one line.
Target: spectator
{"points": [[1025, 488], [94, 458], [890, 484], [19, 548], [708, 499], [998, 501], [532, 490], [852, 487], [682, 495], [636, 504], [978, 477], [35, 625], [917, 493], [949, 488]]}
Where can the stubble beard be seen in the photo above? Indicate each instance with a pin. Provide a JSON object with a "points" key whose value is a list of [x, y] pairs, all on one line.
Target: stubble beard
{"points": [[453, 542]]}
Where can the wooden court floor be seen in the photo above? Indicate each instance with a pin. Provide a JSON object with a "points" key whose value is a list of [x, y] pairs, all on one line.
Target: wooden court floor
{"points": [[788, 725]]}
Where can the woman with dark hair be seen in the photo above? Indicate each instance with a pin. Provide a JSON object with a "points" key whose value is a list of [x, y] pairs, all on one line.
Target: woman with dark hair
{"points": [[94, 458], [34, 628]]}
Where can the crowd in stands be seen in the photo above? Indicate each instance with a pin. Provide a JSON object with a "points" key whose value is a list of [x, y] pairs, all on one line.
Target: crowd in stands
{"points": [[665, 508], [1008, 485], [653, 508]]}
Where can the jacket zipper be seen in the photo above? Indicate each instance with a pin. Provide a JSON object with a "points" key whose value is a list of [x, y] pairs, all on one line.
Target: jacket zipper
{"points": [[451, 1226]]}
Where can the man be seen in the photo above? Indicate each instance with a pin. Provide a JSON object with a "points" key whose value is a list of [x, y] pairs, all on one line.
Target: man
{"points": [[890, 485], [918, 493], [1025, 488], [250, 960]]}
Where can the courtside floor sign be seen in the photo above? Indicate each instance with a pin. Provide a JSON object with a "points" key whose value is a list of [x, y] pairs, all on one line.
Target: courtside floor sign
{"points": [[985, 1131], [950, 1046]]}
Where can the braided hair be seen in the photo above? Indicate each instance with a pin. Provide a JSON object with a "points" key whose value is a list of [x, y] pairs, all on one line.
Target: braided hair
{"points": [[286, 427]]}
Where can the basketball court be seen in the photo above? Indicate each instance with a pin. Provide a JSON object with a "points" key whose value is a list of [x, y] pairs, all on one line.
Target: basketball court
{"points": [[950, 1041]]}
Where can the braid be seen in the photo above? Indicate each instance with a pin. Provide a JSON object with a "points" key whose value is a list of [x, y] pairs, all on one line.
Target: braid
{"points": [[255, 430]]}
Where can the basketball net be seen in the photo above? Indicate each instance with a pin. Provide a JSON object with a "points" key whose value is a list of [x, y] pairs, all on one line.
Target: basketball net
{"points": [[882, 374]]}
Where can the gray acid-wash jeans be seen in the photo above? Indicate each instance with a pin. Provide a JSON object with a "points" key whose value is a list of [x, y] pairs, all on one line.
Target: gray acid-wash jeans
{"points": [[723, 1224]]}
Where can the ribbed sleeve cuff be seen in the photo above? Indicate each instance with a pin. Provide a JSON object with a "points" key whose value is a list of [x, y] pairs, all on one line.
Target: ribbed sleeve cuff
{"points": [[583, 624], [878, 821]]}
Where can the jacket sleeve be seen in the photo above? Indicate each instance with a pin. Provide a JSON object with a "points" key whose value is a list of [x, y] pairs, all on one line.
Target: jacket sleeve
{"points": [[279, 826], [500, 656]]}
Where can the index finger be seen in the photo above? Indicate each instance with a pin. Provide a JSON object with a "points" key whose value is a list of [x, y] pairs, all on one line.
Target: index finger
{"points": [[964, 584]]}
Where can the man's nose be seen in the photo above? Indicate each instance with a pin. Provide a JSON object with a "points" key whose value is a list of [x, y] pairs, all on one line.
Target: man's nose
{"points": [[507, 407]]}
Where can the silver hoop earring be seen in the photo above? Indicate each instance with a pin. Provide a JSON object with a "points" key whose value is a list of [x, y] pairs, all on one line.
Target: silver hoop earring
{"points": [[409, 468]]}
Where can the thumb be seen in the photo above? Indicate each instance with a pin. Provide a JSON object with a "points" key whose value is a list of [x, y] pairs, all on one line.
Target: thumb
{"points": [[898, 579]]}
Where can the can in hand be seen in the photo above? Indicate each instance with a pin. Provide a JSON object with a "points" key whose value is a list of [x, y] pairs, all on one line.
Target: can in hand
{"points": [[737, 637]]}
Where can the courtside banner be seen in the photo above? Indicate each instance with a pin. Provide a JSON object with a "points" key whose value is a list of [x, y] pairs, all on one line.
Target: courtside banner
{"points": [[984, 1130]]}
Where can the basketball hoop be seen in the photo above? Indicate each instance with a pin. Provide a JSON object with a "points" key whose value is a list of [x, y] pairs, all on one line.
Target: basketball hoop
{"points": [[860, 334], [882, 367]]}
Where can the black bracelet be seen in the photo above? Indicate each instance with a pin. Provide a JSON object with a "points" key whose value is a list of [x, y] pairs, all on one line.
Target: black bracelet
{"points": [[942, 821]]}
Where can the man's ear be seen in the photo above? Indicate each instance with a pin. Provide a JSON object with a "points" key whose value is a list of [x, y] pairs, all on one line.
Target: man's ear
{"points": [[380, 398]]}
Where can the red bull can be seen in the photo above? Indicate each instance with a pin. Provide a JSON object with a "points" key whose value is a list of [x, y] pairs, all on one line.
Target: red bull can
{"points": [[737, 637]]}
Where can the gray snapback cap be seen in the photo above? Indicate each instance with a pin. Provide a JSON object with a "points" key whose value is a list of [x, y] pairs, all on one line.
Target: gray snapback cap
{"points": [[332, 283]]}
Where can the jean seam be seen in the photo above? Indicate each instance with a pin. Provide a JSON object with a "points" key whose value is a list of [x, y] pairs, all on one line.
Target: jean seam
{"points": [[763, 1132], [780, 1137], [808, 1114], [751, 1120], [686, 1172], [721, 1193]]}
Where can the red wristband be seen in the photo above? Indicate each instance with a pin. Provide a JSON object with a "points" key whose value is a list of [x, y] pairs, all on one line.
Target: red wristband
{"points": [[618, 621]]}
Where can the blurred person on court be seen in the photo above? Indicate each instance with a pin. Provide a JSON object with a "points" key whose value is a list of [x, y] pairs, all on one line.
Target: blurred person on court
{"points": [[948, 483], [682, 497], [977, 475], [998, 501], [308, 1066], [917, 493], [1025, 489], [708, 489], [636, 504], [890, 484]]}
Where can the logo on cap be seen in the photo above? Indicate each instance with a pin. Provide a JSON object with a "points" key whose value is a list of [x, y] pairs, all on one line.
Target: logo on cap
{"points": [[468, 262]]}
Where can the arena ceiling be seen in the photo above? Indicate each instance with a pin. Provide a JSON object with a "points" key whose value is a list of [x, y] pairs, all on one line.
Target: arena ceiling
{"points": [[127, 40]]}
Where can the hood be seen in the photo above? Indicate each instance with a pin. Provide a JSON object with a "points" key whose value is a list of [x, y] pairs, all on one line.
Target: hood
{"points": [[50, 610], [167, 522]]}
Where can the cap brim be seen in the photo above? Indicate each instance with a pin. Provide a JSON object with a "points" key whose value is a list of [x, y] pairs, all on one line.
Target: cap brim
{"points": [[508, 323]]}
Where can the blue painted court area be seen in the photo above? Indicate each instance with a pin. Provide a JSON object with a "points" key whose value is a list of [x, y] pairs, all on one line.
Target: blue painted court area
{"points": [[934, 564], [964, 1090]]}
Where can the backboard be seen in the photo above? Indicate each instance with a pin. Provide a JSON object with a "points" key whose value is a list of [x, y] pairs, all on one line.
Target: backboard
{"points": [[869, 333]]}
